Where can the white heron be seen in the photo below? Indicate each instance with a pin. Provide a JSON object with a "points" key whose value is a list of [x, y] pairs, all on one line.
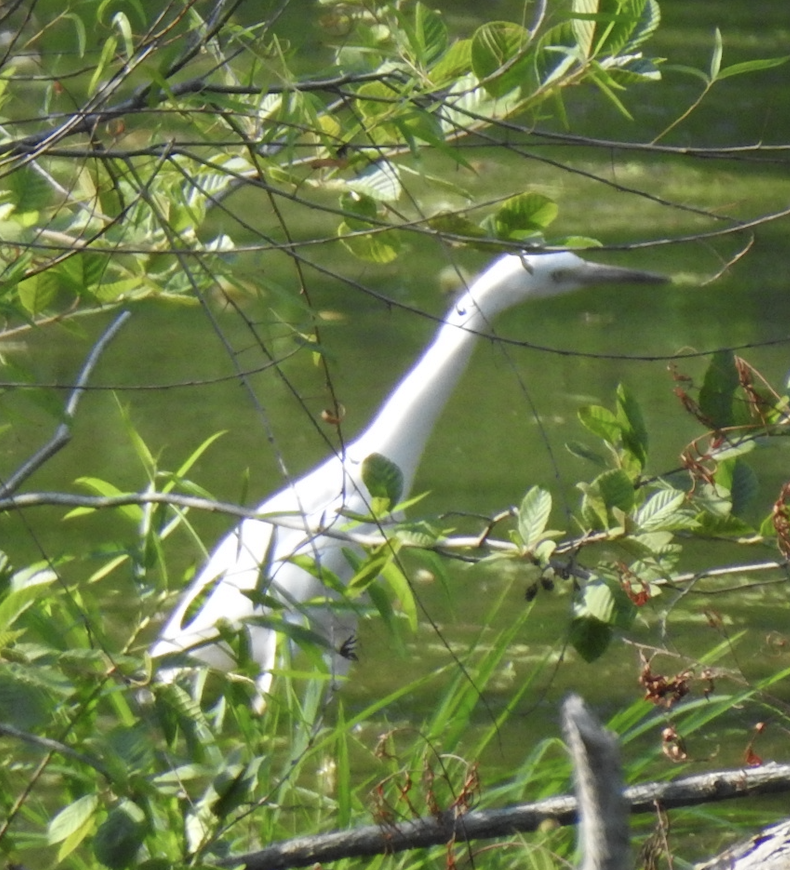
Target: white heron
{"points": [[256, 556]]}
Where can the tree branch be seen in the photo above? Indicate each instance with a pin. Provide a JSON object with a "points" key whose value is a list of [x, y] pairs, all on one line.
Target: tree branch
{"points": [[486, 824], [62, 434]]}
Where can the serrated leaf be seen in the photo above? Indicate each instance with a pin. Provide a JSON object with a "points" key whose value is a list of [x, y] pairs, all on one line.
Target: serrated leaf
{"points": [[533, 515], [649, 22], [584, 27], [429, 36], [37, 292], [601, 422], [654, 513], [498, 58], [523, 215], [382, 477], [617, 489], [27, 189]]}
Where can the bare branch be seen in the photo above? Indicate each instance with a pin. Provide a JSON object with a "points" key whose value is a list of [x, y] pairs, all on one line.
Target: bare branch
{"points": [[63, 433], [486, 824]]}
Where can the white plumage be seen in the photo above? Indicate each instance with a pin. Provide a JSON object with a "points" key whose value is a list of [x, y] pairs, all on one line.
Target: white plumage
{"points": [[254, 556]]}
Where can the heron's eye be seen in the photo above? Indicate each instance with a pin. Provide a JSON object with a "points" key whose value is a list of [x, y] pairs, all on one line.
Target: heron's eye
{"points": [[559, 275]]}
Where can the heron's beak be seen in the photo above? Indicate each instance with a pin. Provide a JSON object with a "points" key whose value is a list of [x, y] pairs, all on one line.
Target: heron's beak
{"points": [[597, 273]]}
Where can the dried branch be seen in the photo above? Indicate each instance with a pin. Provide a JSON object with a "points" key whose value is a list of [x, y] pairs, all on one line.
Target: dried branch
{"points": [[486, 824]]}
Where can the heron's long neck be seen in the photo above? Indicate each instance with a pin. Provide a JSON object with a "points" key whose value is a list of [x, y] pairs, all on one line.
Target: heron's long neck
{"points": [[402, 426]]}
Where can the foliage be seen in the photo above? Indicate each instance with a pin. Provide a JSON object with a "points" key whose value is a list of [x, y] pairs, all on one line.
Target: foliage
{"points": [[180, 155]]}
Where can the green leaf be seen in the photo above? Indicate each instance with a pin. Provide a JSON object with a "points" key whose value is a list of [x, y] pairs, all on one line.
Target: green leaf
{"points": [[105, 59], [522, 215], [609, 492], [454, 63], [76, 817], [120, 836], [428, 39], [382, 477], [498, 56], [718, 390], [533, 515], [584, 27], [233, 787], [606, 601], [373, 248], [582, 451], [649, 21], [37, 292], [744, 488], [455, 224], [380, 181], [579, 243], [108, 490], [601, 422], [659, 508], [590, 637], [31, 585], [617, 489], [401, 588], [715, 60], [752, 66], [27, 189], [632, 424]]}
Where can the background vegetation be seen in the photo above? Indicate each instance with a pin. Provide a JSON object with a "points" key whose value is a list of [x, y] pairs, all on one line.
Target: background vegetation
{"points": [[272, 190]]}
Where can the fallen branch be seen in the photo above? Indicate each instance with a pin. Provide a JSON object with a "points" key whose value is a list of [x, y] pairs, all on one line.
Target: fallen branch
{"points": [[486, 824]]}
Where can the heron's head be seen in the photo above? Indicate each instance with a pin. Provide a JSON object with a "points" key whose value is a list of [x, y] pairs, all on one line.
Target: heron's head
{"points": [[515, 277]]}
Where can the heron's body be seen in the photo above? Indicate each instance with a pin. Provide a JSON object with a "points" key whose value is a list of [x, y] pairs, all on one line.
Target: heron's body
{"points": [[256, 554]]}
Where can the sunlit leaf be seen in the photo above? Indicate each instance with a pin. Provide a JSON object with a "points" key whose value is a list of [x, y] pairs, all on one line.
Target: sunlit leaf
{"points": [[522, 215], [601, 422], [533, 515], [498, 56], [73, 818]]}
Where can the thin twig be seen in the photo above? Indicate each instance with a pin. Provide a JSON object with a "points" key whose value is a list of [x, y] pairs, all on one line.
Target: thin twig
{"points": [[54, 746], [62, 434]]}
